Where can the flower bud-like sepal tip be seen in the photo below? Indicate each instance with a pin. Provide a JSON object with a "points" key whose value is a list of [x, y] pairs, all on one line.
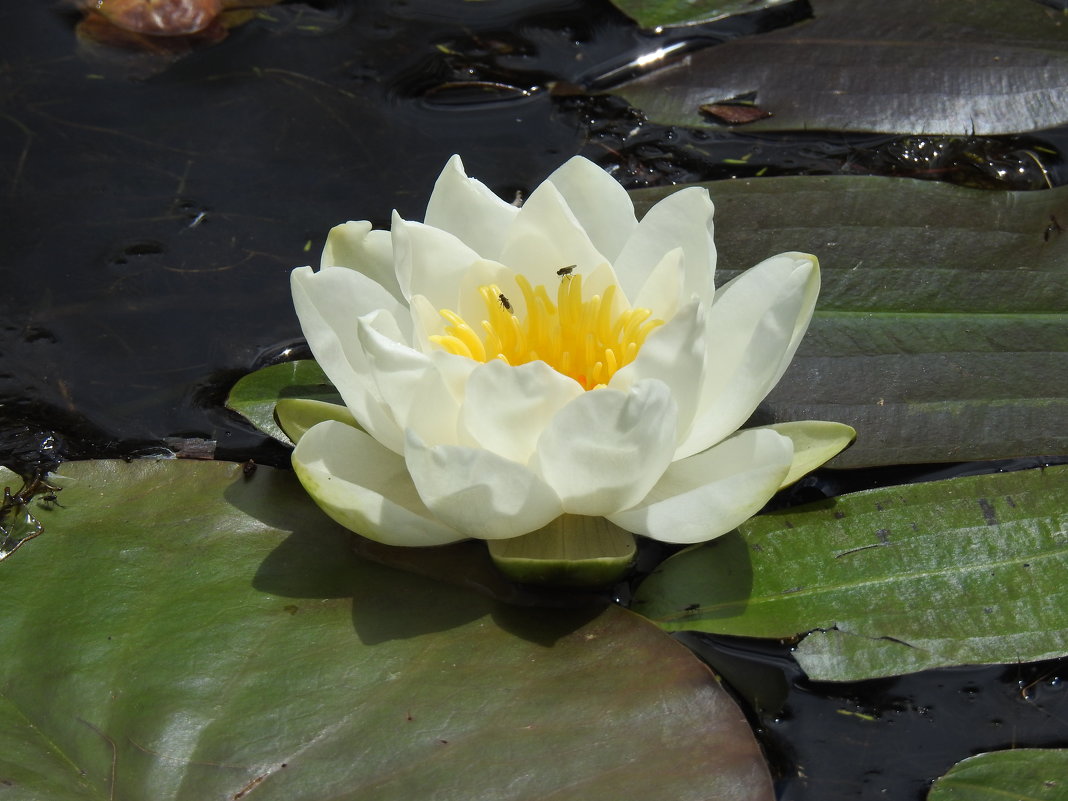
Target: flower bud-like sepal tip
{"points": [[573, 550]]}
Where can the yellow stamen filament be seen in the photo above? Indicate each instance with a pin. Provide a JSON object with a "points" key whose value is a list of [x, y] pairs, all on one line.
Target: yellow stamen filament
{"points": [[582, 339]]}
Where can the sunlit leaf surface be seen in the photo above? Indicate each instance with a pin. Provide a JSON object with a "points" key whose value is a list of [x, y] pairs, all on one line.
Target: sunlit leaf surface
{"points": [[911, 66], [941, 332], [658, 13], [1028, 774], [183, 631], [889, 581]]}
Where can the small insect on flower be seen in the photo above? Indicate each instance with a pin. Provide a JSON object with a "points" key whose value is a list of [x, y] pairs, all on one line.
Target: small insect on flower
{"points": [[563, 272], [504, 302]]}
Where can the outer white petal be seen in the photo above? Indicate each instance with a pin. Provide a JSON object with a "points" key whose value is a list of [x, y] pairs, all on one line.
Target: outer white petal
{"points": [[506, 408], [429, 261], [468, 210], [478, 492], [412, 386], [365, 487], [754, 327], [546, 236], [602, 207], [606, 449], [675, 354], [355, 245], [709, 494], [329, 304], [808, 303], [682, 219]]}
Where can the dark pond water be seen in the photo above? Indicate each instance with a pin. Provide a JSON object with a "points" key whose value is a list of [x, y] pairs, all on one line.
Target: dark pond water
{"points": [[152, 212]]}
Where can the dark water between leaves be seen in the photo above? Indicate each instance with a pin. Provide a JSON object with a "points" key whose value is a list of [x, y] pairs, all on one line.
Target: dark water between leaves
{"points": [[152, 212]]}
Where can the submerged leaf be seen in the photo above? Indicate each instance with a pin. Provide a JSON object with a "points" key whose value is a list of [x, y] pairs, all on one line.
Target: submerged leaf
{"points": [[889, 581], [919, 66], [185, 631]]}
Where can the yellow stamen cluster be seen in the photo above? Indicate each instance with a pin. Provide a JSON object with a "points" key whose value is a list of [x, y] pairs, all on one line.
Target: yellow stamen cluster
{"points": [[579, 338]]}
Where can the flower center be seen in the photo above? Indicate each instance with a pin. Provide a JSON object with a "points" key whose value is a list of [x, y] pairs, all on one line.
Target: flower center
{"points": [[579, 338]]}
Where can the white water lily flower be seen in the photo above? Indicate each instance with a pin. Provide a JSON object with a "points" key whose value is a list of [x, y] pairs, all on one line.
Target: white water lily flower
{"points": [[508, 365]]}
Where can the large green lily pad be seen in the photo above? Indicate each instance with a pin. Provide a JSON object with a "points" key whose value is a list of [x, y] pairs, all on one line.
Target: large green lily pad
{"points": [[184, 631], [889, 581], [1028, 774], [941, 332], [912, 66]]}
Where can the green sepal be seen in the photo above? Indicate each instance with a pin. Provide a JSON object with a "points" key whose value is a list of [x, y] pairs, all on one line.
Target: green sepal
{"points": [[815, 442], [573, 550], [296, 415]]}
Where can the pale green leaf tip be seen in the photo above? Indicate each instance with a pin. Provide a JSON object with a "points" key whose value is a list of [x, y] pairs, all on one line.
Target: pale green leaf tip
{"points": [[815, 443], [573, 550], [296, 415]]}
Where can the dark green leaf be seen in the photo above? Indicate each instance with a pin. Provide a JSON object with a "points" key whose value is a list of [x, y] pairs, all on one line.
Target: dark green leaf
{"points": [[183, 631], [1023, 774], [254, 396], [889, 581], [941, 333], [663, 13], [912, 66]]}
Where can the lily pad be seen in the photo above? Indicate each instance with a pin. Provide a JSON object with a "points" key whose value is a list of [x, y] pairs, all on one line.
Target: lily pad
{"points": [[912, 66], [665, 13], [941, 332], [254, 396], [889, 581], [1035, 774], [183, 631]]}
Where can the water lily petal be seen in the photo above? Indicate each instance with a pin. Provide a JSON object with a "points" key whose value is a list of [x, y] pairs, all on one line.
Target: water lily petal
{"points": [[600, 204], [506, 408], [478, 492], [469, 210], [356, 246], [682, 219], [604, 451], [815, 442], [546, 236], [675, 354], [754, 326], [365, 487], [412, 386], [707, 495], [809, 295], [664, 291], [328, 304], [429, 262]]}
